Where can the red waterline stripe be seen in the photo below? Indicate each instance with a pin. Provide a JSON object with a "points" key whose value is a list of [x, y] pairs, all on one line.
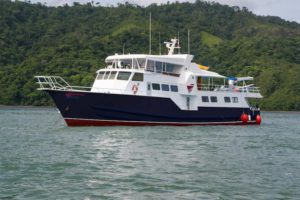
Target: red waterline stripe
{"points": [[89, 122]]}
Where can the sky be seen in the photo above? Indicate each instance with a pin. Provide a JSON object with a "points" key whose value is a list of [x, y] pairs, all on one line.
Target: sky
{"points": [[286, 9]]}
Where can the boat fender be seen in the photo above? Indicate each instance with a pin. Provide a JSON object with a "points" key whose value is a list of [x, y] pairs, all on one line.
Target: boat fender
{"points": [[134, 89], [244, 118], [258, 119]]}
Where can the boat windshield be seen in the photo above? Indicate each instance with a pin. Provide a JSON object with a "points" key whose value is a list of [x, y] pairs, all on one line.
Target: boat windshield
{"points": [[134, 63], [162, 67]]}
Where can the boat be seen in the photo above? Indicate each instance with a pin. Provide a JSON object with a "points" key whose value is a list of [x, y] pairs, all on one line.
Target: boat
{"points": [[151, 90]]}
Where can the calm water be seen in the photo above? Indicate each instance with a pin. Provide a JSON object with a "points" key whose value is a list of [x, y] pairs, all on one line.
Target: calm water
{"points": [[41, 158]]}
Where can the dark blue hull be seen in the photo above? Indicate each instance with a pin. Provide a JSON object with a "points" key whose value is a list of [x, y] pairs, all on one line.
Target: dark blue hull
{"points": [[86, 108]]}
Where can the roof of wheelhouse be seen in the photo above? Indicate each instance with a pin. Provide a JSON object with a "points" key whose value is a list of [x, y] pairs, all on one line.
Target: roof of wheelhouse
{"points": [[179, 59]]}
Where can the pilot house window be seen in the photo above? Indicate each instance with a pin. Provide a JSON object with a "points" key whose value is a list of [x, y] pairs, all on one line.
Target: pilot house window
{"points": [[106, 75], [138, 77], [158, 67], [123, 76], [112, 75], [100, 75]]}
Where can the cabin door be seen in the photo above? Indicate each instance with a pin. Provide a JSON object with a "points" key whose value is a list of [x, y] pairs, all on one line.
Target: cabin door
{"points": [[199, 82], [148, 89], [188, 103]]}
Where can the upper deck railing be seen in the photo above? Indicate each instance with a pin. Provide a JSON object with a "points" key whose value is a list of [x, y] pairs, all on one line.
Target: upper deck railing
{"points": [[226, 88], [58, 83]]}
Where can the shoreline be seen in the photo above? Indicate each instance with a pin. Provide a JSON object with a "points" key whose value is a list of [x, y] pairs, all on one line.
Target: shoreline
{"points": [[22, 106]]}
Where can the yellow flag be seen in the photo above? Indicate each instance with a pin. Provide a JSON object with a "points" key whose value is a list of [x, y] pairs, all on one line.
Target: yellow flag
{"points": [[203, 67]]}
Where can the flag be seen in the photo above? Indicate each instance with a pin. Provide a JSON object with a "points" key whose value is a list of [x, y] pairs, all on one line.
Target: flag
{"points": [[203, 67]]}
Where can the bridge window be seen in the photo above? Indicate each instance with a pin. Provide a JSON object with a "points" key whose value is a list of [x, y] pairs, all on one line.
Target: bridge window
{"points": [[158, 67], [142, 62], [138, 77], [205, 99], [100, 75], [150, 65], [155, 86], [106, 75], [125, 64], [123, 76], [112, 75]]}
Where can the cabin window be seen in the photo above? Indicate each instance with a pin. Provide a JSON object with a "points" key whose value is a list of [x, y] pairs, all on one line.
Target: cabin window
{"points": [[124, 76], [227, 99], [172, 68], [138, 77], [106, 75], [100, 75], [135, 64], [155, 86], [109, 65], [141, 62], [205, 99], [150, 65], [235, 100], [127, 64], [158, 67], [174, 88], [169, 67], [112, 75], [165, 87], [213, 99]]}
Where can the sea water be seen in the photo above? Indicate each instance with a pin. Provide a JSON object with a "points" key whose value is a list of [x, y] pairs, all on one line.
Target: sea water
{"points": [[42, 158]]}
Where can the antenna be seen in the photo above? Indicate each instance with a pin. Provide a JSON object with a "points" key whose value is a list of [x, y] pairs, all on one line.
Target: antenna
{"points": [[178, 43], [123, 48], [172, 45], [159, 43], [188, 41], [150, 36]]}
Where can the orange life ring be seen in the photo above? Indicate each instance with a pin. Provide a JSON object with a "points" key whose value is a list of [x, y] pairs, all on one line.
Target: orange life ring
{"points": [[134, 89]]}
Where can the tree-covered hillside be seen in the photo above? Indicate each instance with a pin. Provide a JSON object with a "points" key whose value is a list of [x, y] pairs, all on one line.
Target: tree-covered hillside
{"points": [[73, 41]]}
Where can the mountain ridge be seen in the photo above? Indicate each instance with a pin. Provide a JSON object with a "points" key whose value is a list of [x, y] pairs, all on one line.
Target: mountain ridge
{"points": [[73, 41]]}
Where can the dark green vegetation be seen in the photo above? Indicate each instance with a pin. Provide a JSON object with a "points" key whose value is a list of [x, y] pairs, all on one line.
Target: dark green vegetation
{"points": [[73, 41]]}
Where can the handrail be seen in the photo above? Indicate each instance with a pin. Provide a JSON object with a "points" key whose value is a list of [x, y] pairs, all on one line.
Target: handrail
{"points": [[58, 83], [227, 88], [55, 83]]}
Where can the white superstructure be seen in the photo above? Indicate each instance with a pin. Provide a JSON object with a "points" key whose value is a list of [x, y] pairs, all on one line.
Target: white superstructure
{"points": [[173, 76]]}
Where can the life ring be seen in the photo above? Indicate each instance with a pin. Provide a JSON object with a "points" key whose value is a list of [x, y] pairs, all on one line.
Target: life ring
{"points": [[236, 89], [134, 89]]}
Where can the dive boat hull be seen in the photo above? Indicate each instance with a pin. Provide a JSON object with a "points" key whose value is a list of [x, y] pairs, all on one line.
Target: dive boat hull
{"points": [[80, 108]]}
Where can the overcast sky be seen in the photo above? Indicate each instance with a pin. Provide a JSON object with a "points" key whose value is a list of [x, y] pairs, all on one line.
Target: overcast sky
{"points": [[286, 9]]}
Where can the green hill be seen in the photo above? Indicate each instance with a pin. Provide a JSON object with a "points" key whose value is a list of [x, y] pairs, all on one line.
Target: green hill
{"points": [[73, 41]]}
